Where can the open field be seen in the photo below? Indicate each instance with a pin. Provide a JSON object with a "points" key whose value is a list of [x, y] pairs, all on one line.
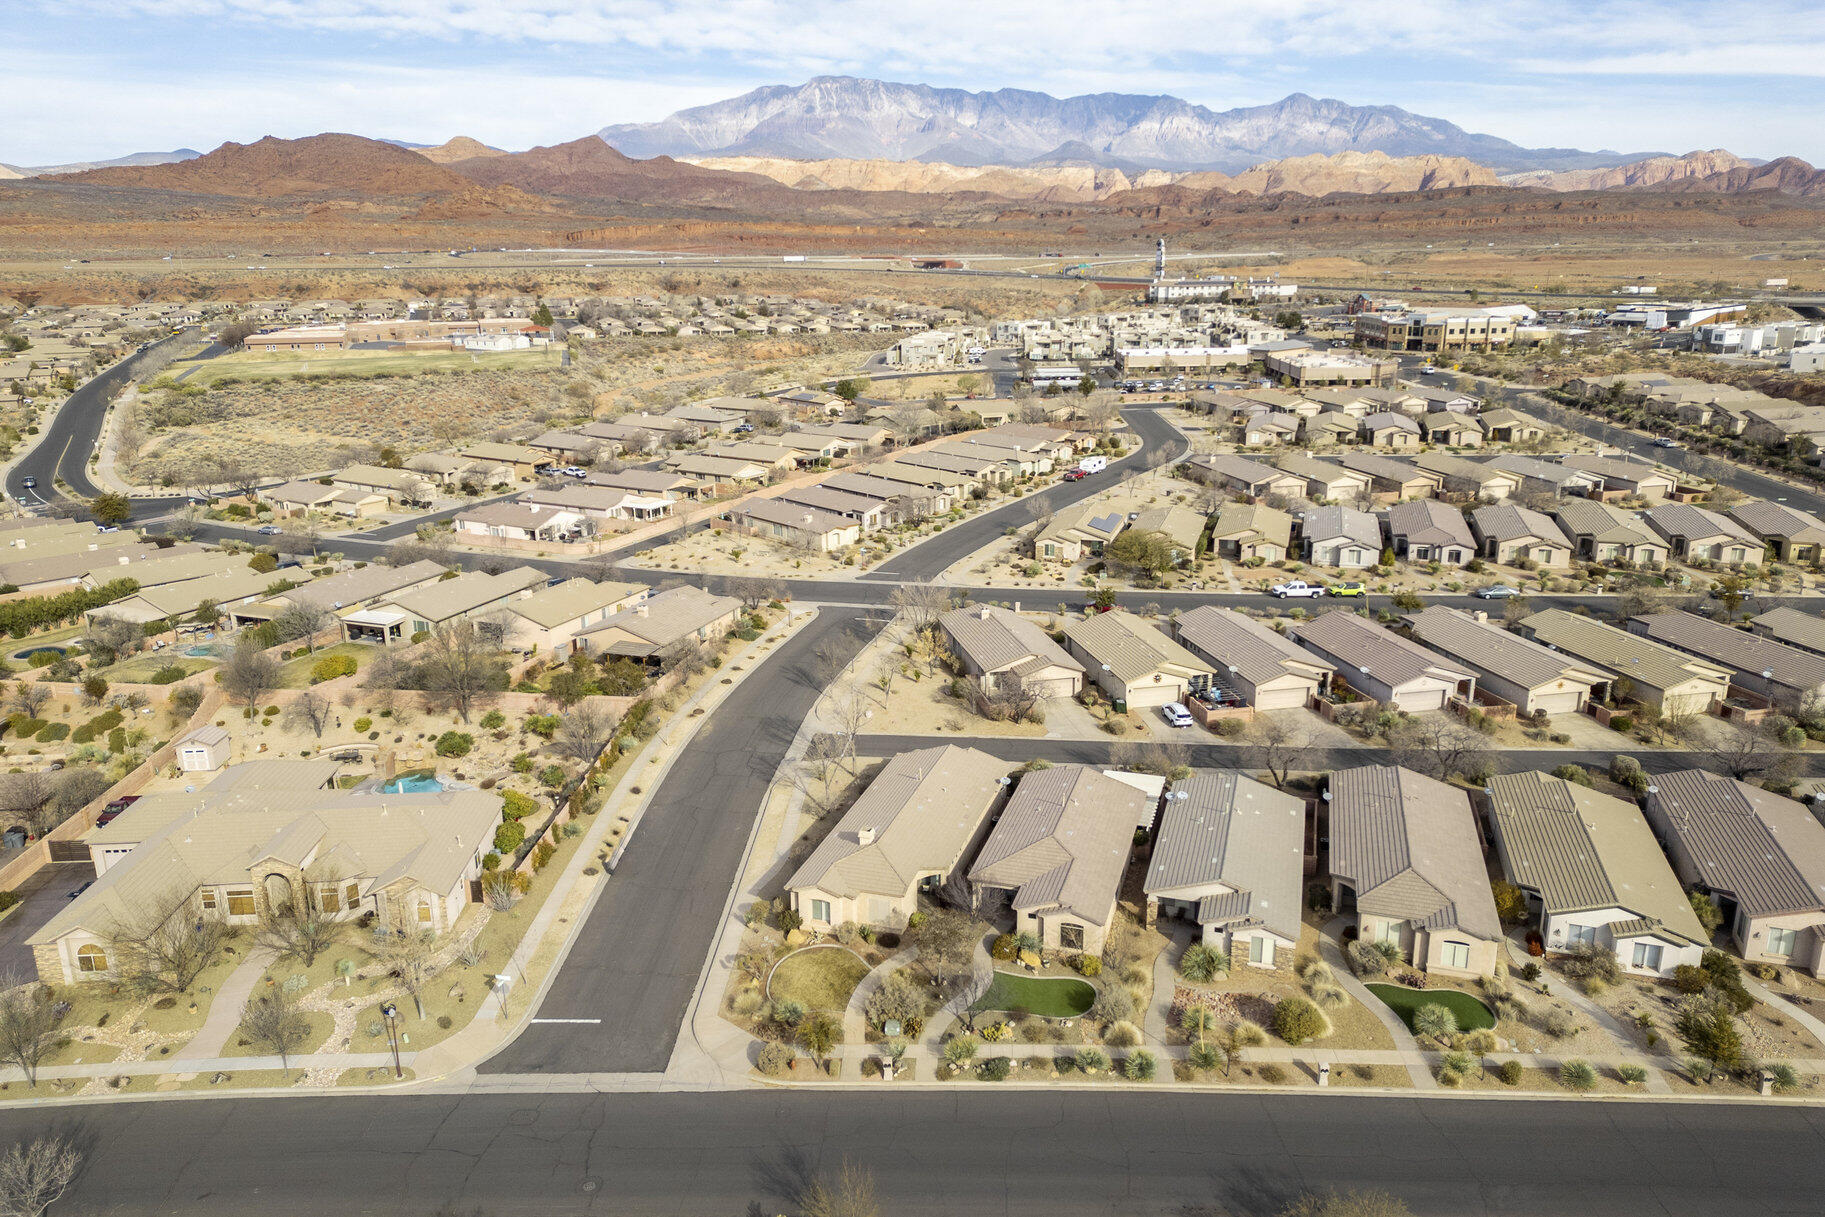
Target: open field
{"points": [[292, 365]]}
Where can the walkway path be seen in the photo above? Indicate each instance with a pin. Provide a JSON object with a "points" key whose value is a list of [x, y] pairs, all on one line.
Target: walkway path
{"points": [[1410, 1053], [855, 1018], [225, 1011], [1762, 993], [1156, 1022], [1657, 1081]]}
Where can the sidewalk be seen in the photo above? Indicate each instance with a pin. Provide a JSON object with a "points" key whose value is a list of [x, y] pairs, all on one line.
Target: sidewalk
{"points": [[1407, 1051], [225, 1011]]}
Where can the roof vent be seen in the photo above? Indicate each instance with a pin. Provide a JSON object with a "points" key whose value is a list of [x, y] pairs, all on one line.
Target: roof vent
{"points": [[865, 836]]}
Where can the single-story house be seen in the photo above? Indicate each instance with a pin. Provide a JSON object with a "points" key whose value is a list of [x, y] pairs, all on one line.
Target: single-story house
{"points": [[1244, 476], [1407, 868], [1340, 536], [1759, 855], [660, 626], [600, 502], [1793, 627], [796, 525], [1387, 430], [238, 849], [1510, 533], [721, 470], [402, 487], [995, 645], [909, 831], [1252, 660], [652, 483], [1464, 476], [523, 460], [550, 619], [344, 592], [1511, 427], [1670, 681], [1228, 858], [1547, 476], [1134, 663], [1787, 676], [1060, 850], [1078, 529], [1378, 663], [1426, 530], [423, 610], [1451, 428], [1180, 525], [1251, 530], [1325, 479], [1394, 478], [1602, 532], [1790, 534], [1592, 872], [1513, 668], [225, 589], [1696, 534], [871, 514], [1650, 481]]}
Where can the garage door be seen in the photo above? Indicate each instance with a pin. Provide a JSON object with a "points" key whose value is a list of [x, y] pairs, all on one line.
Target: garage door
{"points": [[1155, 695], [1279, 699], [1421, 699], [1064, 686], [1566, 701]]}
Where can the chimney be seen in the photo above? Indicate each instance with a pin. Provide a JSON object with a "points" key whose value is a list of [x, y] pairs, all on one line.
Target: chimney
{"points": [[983, 612], [1480, 615], [640, 610], [865, 836]]}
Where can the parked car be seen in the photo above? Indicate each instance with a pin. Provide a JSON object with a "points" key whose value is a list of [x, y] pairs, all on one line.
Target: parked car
{"points": [[30, 482], [574, 471], [268, 530], [743, 428], [1661, 441], [1074, 475], [1496, 591], [1297, 588], [1347, 589], [1176, 715]]}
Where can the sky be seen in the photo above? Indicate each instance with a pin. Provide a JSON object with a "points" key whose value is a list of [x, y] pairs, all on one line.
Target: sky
{"points": [[90, 79]]}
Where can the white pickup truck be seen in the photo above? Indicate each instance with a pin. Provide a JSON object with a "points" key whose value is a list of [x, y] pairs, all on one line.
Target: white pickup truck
{"points": [[1297, 587]]}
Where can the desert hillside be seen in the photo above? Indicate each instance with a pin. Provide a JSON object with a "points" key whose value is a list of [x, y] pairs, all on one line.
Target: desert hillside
{"points": [[458, 148]]}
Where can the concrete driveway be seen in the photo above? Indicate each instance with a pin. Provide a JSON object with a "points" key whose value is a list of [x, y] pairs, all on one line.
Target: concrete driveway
{"points": [[40, 899]]}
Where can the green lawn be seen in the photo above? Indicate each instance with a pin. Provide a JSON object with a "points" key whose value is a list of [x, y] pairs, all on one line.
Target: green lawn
{"points": [[140, 668], [296, 673], [1046, 996], [277, 365], [1471, 1014], [822, 978]]}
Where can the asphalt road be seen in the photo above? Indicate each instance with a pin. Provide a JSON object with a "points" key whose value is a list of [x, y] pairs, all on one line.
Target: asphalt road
{"points": [[1207, 755], [968, 1151], [637, 960], [930, 558], [66, 444]]}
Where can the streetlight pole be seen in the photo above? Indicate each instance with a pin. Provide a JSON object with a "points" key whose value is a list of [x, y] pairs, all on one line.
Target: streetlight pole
{"points": [[390, 1012]]}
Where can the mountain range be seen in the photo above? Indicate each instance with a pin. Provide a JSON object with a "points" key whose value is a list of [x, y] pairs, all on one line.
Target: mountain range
{"points": [[844, 117]]}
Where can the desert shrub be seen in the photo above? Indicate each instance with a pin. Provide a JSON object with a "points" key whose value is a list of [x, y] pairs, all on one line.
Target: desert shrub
{"points": [[1435, 1021], [1088, 965], [995, 1069], [543, 725], [494, 720], [363, 724], [1577, 1075], [1509, 1072], [1557, 1023], [788, 1012], [1123, 1034], [166, 676], [517, 806], [1591, 961], [8, 900], [1298, 1019], [1202, 963], [1140, 1066], [1530, 971], [101, 724], [1272, 1074], [1205, 1057], [455, 743], [1785, 1076], [1092, 1060], [53, 732], [1573, 773], [1365, 960], [1632, 1075], [1329, 996], [959, 1049], [1004, 947], [1112, 1004], [332, 666], [775, 1058], [508, 837], [1624, 723], [542, 854]]}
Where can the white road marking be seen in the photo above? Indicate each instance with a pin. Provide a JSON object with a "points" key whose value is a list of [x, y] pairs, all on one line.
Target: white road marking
{"points": [[591, 1021]]}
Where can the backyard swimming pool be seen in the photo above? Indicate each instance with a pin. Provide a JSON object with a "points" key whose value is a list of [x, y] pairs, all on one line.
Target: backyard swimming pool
{"points": [[422, 781]]}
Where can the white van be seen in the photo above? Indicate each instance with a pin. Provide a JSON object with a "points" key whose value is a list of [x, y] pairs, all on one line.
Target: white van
{"points": [[1093, 464]]}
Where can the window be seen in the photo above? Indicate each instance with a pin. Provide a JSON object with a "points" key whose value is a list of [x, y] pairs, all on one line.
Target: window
{"points": [[1261, 951], [820, 911], [209, 899], [1781, 942], [1581, 933], [1647, 955], [91, 957], [329, 898], [240, 902], [1071, 937], [1388, 931], [424, 912], [351, 894], [1457, 955]]}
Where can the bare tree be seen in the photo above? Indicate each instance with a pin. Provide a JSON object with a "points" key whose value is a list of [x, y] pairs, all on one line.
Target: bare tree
{"points": [[25, 796], [35, 1174], [1010, 699], [300, 931], [967, 988], [249, 673], [460, 669], [921, 604], [115, 635], [1438, 744], [947, 943], [301, 620], [28, 1025], [1749, 755], [850, 711], [301, 536], [1277, 746], [275, 1022], [409, 954], [582, 733], [310, 710], [752, 592], [165, 946], [29, 697]]}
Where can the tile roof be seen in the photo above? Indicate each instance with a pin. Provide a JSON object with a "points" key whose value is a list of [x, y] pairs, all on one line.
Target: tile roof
{"points": [[1429, 522], [666, 617], [1687, 522], [1581, 850], [1803, 630], [1408, 845], [1239, 469], [1513, 522], [1062, 842], [573, 600], [1735, 649], [1488, 647], [1336, 522], [466, 593], [1357, 643], [994, 638], [1618, 651], [920, 813], [1267, 523], [1765, 850], [1130, 647], [1231, 639], [1236, 832], [1604, 523]]}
